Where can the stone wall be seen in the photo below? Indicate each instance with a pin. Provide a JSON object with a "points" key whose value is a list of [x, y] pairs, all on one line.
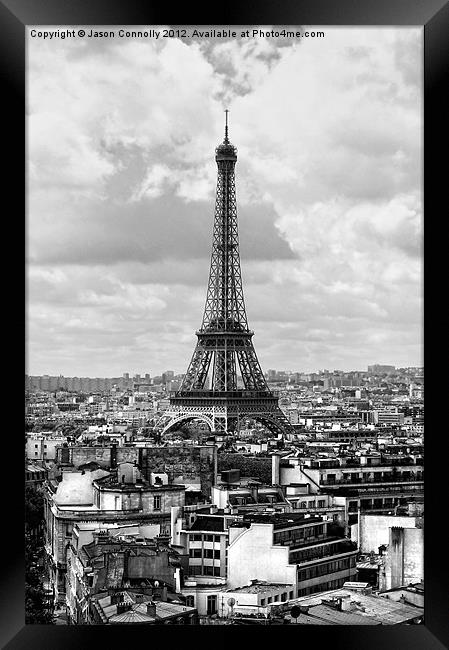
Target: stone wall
{"points": [[405, 557], [375, 529], [187, 461], [258, 467], [76, 456]]}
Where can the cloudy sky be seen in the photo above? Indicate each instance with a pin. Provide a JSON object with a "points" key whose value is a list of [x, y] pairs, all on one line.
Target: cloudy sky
{"points": [[121, 183]]}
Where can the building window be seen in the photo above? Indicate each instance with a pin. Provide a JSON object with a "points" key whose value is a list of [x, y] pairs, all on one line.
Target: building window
{"points": [[290, 595], [208, 552], [216, 570], [270, 599], [208, 570], [321, 503], [211, 605], [216, 555], [190, 601], [195, 552], [303, 504], [194, 570], [262, 602], [208, 538], [283, 597], [196, 538], [157, 502]]}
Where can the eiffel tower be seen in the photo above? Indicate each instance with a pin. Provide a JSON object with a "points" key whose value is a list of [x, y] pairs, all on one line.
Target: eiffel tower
{"points": [[224, 338]]}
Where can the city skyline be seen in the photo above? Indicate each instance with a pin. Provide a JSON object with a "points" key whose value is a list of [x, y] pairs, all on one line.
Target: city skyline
{"points": [[328, 201], [143, 374]]}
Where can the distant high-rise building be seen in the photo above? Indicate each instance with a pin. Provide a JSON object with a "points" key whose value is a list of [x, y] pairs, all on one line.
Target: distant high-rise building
{"points": [[378, 368], [167, 376]]}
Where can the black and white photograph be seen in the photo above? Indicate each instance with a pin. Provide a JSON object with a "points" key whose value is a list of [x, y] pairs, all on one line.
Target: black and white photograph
{"points": [[224, 337]]}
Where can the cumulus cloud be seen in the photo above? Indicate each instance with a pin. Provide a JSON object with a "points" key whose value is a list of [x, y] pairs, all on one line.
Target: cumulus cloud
{"points": [[121, 183]]}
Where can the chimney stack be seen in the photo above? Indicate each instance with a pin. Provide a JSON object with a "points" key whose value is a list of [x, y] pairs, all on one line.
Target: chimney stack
{"points": [[275, 469], [346, 604], [123, 607], [151, 609], [113, 458]]}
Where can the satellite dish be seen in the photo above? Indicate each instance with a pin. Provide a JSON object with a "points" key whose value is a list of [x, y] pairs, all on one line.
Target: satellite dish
{"points": [[156, 583], [231, 602], [295, 611]]}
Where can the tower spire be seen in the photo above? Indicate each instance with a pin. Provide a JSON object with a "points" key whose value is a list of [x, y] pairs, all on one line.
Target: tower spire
{"points": [[226, 139]]}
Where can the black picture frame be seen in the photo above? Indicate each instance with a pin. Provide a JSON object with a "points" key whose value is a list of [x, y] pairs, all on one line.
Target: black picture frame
{"points": [[433, 15]]}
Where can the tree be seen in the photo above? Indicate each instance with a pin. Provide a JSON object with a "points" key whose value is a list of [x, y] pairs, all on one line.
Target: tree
{"points": [[34, 507], [38, 608]]}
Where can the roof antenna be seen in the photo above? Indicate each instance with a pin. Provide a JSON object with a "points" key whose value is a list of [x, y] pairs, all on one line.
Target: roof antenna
{"points": [[226, 139]]}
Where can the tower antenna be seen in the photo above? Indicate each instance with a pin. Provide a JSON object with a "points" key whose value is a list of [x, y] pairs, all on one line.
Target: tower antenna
{"points": [[226, 139]]}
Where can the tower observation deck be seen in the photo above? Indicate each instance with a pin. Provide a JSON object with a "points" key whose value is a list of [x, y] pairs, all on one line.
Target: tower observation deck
{"points": [[224, 339]]}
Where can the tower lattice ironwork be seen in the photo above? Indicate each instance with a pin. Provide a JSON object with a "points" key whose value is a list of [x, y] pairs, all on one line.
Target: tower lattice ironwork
{"points": [[224, 338]]}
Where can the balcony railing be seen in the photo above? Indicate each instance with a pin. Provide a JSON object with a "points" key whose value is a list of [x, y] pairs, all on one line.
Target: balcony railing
{"points": [[381, 488], [328, 550], [325, 464], [306, 541], [373, 481]]}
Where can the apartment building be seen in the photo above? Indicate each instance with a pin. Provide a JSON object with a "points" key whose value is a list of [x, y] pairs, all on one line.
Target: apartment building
{"points": [[100, 496], [308, 552]]}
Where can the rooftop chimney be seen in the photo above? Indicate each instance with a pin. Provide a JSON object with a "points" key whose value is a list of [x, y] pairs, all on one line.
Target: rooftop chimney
{"points": [[151, 609], [113, 459], [100, 536], [123, 607], [116, 598], [346, 604]]}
